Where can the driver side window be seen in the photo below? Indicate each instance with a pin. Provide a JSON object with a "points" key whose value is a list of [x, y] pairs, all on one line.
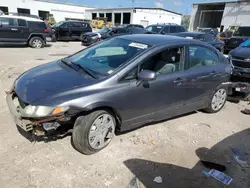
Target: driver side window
{"points": [[64, 25], [165, 62]]}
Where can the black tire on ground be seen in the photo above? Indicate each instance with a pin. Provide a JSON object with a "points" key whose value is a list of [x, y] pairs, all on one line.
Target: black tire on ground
{"points": [[82, 126], [210, 109], [36, 42]]}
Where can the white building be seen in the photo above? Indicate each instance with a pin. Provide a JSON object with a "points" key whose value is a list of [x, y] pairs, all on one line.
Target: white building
{"points": [[41, 8], [220, 14], [143, 16]]}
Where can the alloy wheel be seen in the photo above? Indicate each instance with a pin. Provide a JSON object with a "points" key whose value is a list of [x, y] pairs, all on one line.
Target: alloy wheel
{"points": [[101, 131]]}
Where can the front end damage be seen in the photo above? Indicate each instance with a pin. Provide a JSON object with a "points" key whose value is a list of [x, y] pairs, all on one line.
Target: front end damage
{"points": [[46, 126]]}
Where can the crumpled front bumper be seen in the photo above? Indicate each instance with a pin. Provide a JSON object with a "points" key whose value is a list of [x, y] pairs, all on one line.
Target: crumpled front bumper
{"points": [[27, 124]]}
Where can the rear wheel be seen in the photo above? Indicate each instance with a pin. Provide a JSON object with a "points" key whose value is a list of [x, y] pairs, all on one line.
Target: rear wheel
{"points": [[36, 42], [217, 100], [93, 132]]}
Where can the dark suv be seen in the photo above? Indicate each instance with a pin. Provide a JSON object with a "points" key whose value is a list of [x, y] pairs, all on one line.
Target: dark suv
{"points": [[70, 30], [240, 35], [108, 32], [24, 30], [166, 28], [119, 84]]}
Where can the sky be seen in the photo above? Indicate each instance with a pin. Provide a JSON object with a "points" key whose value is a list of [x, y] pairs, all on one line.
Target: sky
{"points": [[181, 6]]}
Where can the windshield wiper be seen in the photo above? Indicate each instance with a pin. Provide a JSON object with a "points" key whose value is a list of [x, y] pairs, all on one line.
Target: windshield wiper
{"points": [[68, 63], [88, 71]]}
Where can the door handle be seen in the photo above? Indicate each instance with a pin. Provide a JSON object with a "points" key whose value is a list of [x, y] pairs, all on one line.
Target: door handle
{"points": [[13, 29]]}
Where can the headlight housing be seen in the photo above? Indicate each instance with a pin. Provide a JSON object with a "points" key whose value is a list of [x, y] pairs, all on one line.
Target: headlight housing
{"points": [[41, 111]]}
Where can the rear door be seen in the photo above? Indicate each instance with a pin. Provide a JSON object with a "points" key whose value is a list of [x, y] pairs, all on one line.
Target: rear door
{"points": [[24, 30], [206, 74]]}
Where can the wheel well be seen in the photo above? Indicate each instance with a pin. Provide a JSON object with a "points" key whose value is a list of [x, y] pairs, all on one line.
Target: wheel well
{"points": [[35, 35], [110, 109]]}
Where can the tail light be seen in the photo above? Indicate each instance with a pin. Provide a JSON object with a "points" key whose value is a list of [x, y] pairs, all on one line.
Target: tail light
{"points": [[46, 31]]}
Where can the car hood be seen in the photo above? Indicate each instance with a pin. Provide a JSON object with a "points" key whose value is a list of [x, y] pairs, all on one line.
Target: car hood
{"points": [[46, 80], [241, 53]]}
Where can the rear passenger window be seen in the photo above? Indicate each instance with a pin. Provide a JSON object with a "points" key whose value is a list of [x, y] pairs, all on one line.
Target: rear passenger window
{"points": [[166, 29], [76, 24], [37, 25], [173, 29], [22, 23], [201, 56]]}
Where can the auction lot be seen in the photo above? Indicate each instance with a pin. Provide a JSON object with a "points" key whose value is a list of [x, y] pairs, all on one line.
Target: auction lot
{"points": [[170, 149]]}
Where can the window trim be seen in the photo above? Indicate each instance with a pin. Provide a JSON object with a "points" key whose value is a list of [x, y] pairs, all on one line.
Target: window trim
{"points": [[207, 47]]}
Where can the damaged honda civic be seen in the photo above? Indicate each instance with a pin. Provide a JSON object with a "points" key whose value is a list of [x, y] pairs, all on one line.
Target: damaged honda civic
{"points": [[118, 85]]}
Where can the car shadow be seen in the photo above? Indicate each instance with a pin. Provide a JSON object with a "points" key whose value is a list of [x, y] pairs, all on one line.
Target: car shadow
{"points": [[178, 177]]}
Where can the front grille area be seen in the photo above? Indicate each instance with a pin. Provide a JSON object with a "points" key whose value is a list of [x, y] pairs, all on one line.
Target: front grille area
{"points": [[242, 64]]}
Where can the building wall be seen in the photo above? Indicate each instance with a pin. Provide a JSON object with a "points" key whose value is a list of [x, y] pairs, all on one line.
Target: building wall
{"points": [[148, 17], [141, 16], [105, 11], [60, 11], [236, 14], [193, 20]]}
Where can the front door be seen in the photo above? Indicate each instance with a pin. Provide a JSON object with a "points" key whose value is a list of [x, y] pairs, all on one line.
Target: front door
{"points": [[9, 31], [206, 74], [64, 32], [159, 99]]}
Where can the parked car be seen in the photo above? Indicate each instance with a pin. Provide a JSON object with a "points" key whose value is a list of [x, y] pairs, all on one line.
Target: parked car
{"points": [[93, 37], [131, 25], [205, 37], [208, 30], [70, 30], [166, 28], [119, 84], [240, 35], [24, 30], [240, 58]]}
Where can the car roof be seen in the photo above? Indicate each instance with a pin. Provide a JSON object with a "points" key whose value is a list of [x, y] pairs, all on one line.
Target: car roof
{"points": [[191, 34], [75, 21], [22, 17], [156, 39]]}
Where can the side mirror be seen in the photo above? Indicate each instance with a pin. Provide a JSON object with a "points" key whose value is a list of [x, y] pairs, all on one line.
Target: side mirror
{"points": [[146, 75]]}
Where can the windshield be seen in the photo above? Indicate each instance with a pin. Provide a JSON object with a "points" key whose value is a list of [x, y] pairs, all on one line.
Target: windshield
{"points": [[154, 28], [107, 56], [104, 30], [246, 43], [242, 31], [58, 24]]}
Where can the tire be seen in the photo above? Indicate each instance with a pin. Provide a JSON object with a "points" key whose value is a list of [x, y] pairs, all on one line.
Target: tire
{"points": [[36, 42], [90, 128], [222, 92]]}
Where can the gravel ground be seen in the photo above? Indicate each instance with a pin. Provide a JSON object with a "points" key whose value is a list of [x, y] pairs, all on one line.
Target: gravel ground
{"points": [[170, 149]]}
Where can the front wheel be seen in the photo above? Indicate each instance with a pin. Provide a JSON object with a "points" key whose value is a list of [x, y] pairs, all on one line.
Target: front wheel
{"points": [[217, 101], [93, 132]]}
